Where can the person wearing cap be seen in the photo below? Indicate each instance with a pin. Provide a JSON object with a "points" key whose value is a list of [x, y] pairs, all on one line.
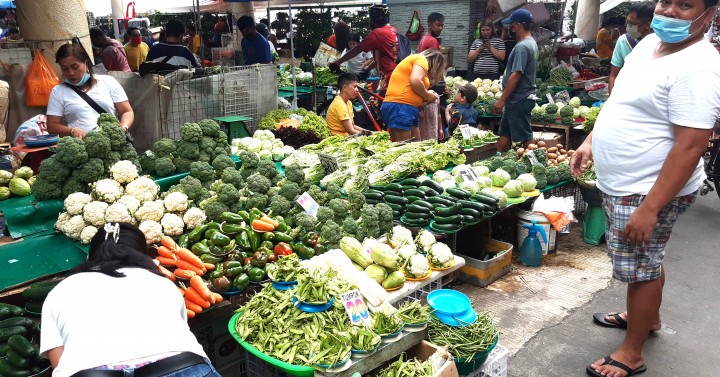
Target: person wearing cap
{"points": [[518, 83], [255, 47], [462, 110], [382, 41]]}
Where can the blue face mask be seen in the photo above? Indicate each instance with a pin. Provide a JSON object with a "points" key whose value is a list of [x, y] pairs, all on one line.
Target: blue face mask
{"points": [[672, 30], [82, 81]]}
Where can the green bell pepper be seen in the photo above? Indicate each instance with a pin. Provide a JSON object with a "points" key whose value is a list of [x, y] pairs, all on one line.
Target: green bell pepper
{"points": [[241, 281], [256, 274], [267, 245], [282, 237], [231, 228], [245, 216], [219, 239], [231, 217], [197, 234], [319, 249], [233, 272], [213, 225], [303, 251], [241, 239], [310, 239], [184, 241], [209, 258], [199, 249], [216, 250]]}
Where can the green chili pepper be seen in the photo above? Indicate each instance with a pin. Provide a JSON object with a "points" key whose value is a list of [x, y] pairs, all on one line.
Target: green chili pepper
{"points": [[254, 239], [303, 251], [229, 247], [231, 228], [200, 249], [213, 225], [282, 237], [210, 232], [245, 216], [219, 239], [209, 258], [184, 241], [231, 217]]}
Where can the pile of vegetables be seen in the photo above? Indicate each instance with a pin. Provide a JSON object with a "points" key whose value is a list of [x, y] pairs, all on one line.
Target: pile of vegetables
{"points": [[284, 75], [560, 76], [20, 338], [18, 184], [478, 138], [363, 339], [408, 368], [199, 142], [387, 322], [264, 144], [413, 313], [589, 122], [295, 137], [307, 121], [467, 341], [567, 114], [78, 162], [325, 77]]}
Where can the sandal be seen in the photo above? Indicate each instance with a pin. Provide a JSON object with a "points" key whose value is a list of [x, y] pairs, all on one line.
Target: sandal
{"points": [[610, 361], [601, 319]]}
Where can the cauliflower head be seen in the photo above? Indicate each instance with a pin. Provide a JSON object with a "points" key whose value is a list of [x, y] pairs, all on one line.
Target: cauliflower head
{"points": [[401, 236], [424, 241], [107, 190], [172, 224], [61, 221], [73, 227], [417, 266], [406, 251], [131, 202], [94, 213], [176, 202], [87, 234], [440, 255], [118, 213], [124, 171], [153, 231], [150, 210], [143, 188], [194, 217], [75, 202]]}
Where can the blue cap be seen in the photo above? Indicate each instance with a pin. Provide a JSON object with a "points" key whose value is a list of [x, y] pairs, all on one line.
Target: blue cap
{"points": [[522, 16]]}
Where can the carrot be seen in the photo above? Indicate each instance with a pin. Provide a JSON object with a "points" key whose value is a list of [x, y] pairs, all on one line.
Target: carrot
{"points": [[190, 313], [182, 291], [167, 261], [165, 252], [157, 263], [185, 265], [188, 256], [184, 274], [193, 295], [270, 221], [166, 273], [200, 286], [218, 297], [209, 266], [262, 226], [169, 243], [193, 306]]}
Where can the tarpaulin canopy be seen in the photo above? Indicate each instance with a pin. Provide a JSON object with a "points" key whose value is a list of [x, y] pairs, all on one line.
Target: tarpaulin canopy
{"points": [[608, 5], [6, 4]]}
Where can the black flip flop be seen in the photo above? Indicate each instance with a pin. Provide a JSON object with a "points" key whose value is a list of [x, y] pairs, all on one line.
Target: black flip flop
{"points": [[599, 318], [610, 361]]}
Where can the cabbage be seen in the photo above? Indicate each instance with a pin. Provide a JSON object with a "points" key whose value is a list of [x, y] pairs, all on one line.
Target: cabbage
{"points": [[446, 184], [245, 143], [456, 170], [277, 143], [583, 111], [574, 102], [255, 145], [263, 135], [576, 113], [278, 154], [501, 196], [499, 177], [528, 182], [267, 145], [481, 170], [288, 150], [483, 181], [441, 175], [513, 188], [470, 186]]}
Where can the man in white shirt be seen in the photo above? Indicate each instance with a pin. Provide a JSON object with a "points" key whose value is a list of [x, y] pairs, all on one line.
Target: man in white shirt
{"points": [[647, 147]]}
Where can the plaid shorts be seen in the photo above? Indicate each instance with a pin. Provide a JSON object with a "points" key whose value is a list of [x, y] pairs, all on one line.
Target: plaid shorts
{"points": [[635, 263]]}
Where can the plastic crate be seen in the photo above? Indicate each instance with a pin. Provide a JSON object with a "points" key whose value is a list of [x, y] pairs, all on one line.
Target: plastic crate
{"points": [[495, 365], [259, 368]]}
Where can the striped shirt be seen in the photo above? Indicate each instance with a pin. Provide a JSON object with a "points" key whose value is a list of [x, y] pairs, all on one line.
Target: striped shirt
{"points": [[486, 63]]}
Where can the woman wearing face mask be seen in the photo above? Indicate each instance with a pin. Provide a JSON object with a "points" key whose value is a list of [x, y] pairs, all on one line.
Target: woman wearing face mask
{"points": [[68, 113], [665, 103], [637, 27]]}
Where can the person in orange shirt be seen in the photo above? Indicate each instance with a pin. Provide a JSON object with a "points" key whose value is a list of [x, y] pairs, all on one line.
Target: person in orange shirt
{"points": [[606, 37], [340, 114], [408, 89], [194, 42]]}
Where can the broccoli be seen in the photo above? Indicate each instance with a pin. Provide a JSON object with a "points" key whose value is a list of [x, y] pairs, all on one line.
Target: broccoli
{"points": [[568, 121], [276, 179], [521, 168], [107, 118], [190, 132], [71, 152], [330, 235], [233, 177], [110, 160], [369, 216], [128, 152], [221, 150], [294, 173], [273, 191], [181, 164], [228, 194], [511, 155], [207, 145], [333, 191], [564, 172], [290, 191], [551, 108], [496, 163], [350, 227], [164, 147], [202, 171], [221, 137], [279, 205], [510, 167], [91, 171], [247, 172], [249, 159], [566, 111], [267, 168], [256, 200], [324, 214], [541, 181], [385, 217], [340, 208], [204, 157], [192, 187], [538, 169], [552, 177], [537, 117], [356, 201], [45, 189], [214, 209], [304, 222], [188, 150], [147, 162], [549, 118], [53, 171], [209, 127], [317, 193], [115, 134], [73, 185], [220, 163], [97, 144], [164, 167], [258, 184], [541, 156]]}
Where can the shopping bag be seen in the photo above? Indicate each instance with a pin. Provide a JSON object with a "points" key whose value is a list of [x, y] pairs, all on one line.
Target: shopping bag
{"points": [[429, 121], [415, 30], [39, 81]]}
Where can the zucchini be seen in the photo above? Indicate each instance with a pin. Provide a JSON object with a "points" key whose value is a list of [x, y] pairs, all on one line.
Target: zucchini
{"points": [[474, 205], [16, 359], [413, 199], [486, 199], [396, 199], [432, 184], [453, 219], [373, 195], [488, 214], [22, 346], [408, 187], [3, 349], [410, 182], [440, 200], [415, 192], [396, 207], [17, 321], [447, 227], [373, 201], [458, 193], [417, 215], [465, 219], [9, 370], [449, 211], [423, 203], [38, 292], [471, 212], [397, 214], [417, 222], [7, 332], [14, 311], [393, 193], [34, 306], [428, 191], [417, 208], [378, 187], [393, 187]]}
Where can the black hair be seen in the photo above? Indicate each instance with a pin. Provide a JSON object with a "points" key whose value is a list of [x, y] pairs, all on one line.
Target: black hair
{"points": [[645, 10], [192, 28], [77, 51], [710, 3], [345, 79], [379, 14], [245, 22], [354, 37], [107, 256], [265, 21], [96, 32], [131, 29], [435, 17], [174, 28], [607, 21], [13, 30]]}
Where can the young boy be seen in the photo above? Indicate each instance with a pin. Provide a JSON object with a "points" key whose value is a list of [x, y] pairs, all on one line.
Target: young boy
{"points": [[462, 110], [340, 116]]}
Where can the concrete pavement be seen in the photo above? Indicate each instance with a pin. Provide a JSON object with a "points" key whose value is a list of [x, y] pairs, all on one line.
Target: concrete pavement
{"points": [[687, 346]]}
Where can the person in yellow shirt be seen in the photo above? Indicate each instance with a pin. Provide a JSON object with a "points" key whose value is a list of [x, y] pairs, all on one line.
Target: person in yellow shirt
{"points": [[408, 90], [340, 116], [136, 50], [194, 44]]}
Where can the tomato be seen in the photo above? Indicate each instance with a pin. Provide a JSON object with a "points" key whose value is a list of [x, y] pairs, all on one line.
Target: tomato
{"points": [[282, 249]]}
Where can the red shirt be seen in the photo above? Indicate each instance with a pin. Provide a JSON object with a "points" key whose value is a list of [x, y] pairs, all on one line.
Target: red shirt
{"points": [[383, 39], [428, 42]]}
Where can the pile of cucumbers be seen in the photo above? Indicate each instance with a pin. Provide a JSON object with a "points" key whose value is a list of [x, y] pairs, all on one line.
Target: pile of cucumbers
{"points": [[20, 355], [422, 203], [35, 295]]}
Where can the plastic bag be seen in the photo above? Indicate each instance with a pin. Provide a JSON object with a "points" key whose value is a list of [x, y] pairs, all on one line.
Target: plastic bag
{"points": [[557, 210], [415, 29], [40, 80], [429, 121], [34, 126]]}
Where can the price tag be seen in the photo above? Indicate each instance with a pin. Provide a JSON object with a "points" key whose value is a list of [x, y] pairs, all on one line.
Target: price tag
{"points": [[549, 97], [355, 307], [468, 173], [466, 131], [309, 204], [531, 156]]}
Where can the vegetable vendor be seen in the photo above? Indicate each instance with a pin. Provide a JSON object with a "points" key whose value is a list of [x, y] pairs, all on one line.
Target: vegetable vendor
{"points": [[119, 293], [665, 103], [76, 104], [340, 114], [408, 90]]}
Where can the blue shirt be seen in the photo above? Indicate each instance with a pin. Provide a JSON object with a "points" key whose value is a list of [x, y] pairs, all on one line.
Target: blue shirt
{"points": [[523, 58], [179, 54], [466, 115], [256, 50]]}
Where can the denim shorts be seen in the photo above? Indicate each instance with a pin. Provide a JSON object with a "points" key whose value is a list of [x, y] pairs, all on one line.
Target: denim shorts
{"points": [[639, 262], [515, 123], [400, 116], [199, 370]]}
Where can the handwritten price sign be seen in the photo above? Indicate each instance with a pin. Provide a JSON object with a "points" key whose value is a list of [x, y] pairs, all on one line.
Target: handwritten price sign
{"points": [[468, 173], [308, 203], [355, 307]]}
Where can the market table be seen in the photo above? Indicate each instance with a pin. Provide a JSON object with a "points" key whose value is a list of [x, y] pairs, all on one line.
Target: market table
{"points": [[563, 127]]}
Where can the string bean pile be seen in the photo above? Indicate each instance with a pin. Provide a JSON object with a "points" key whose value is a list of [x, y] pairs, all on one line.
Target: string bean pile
{"points": [[413, 312], [464, 342], [363, 339], [287, 268], [386, 322], [334, 348], [410, 368], [312, 288]]}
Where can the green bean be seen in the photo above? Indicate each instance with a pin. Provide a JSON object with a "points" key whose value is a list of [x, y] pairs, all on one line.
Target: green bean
{"points": [[409, 368], [413, 312], [311, 288], [467, 341], [386, 322], [288, 269], [364, 339]]}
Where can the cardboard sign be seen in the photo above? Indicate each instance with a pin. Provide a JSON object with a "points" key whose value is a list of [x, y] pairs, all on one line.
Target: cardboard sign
{"points": [[308, 203], [468, 173], [531, 156], [466, 131], [355, 307]]}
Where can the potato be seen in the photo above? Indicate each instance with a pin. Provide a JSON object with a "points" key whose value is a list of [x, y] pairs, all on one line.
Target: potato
{"points": [[541, 143], [543, 148], [562, 151], [552, 156], [570, 152], [552, 150], [532, 147], [521, 151], [559, 146], [561, 158]]}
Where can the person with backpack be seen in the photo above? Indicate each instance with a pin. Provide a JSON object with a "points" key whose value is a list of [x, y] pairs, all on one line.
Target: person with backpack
{"points": [[637, 27], [382, 41]]}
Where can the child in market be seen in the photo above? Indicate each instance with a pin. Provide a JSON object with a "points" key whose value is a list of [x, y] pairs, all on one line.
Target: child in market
{"points": [[462, 110]]}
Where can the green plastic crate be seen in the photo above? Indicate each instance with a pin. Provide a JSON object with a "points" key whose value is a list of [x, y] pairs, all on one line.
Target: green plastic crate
{"points": [[236, 126]]}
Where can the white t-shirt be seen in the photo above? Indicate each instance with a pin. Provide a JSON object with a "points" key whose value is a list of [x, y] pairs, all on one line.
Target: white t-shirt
{"points": [[64, 102], [101, 320], [355, 64], [634, 132]]}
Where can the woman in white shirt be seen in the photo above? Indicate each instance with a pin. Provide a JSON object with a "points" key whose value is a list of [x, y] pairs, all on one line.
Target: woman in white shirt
{"points": [[68, 114], [361, 63], [116, 313]]}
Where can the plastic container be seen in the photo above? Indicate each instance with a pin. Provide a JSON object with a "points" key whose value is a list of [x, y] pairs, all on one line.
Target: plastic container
{"points": [[482, 273], [525, 217], [594, 225], [531, 249], [465, 367], [495, 365]]}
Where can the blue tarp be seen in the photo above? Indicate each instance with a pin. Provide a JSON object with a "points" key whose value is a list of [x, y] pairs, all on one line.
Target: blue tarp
{"points": [[7, 4]]}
